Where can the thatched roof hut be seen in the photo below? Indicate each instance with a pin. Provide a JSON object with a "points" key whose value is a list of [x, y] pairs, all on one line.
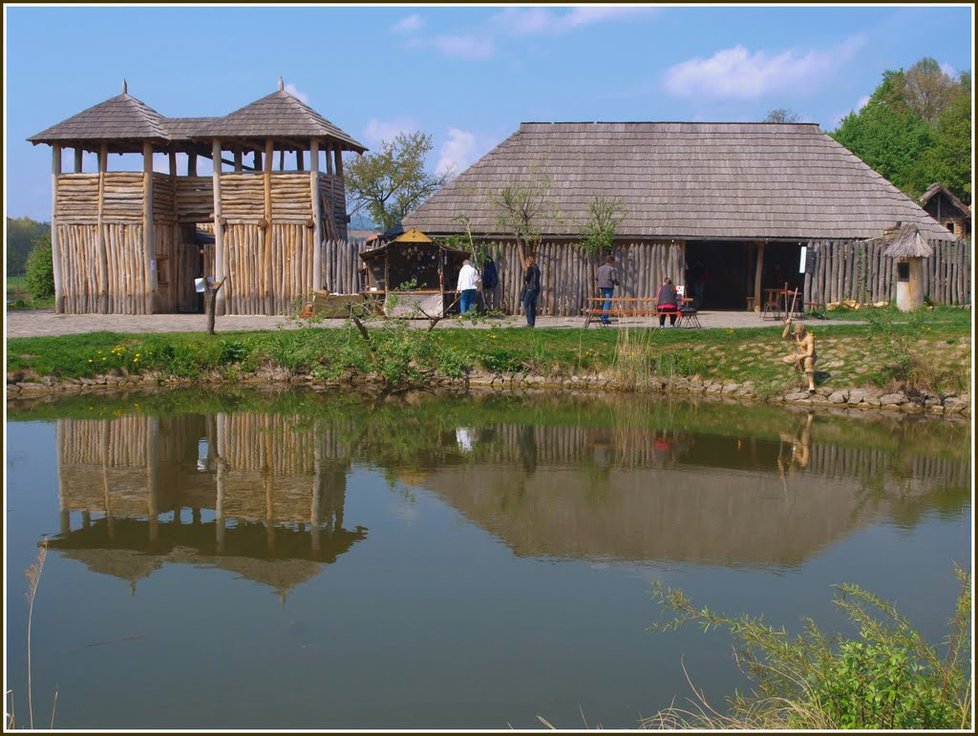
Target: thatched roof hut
{"points": [[907, 242]]}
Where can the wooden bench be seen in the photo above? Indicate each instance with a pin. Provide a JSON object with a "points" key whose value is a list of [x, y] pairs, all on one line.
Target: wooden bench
{"points": [[637, 307]]}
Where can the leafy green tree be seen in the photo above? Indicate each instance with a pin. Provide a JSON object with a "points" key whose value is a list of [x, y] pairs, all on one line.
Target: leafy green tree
{"points": [[782, 115], [949, 161], [916, 129], [393, 182], [21, 234], [40, 269], [889, 136]]}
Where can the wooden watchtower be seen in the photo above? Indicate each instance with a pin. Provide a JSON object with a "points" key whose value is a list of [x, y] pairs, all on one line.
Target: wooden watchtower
{"points": [[130, 242]]}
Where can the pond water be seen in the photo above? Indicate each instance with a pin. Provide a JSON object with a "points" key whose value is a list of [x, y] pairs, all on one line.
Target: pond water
{"points": [[301, 560]]}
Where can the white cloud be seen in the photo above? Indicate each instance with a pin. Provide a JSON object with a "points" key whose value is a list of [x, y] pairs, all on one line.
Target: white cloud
{"points": [[410, 24], [949, 70], [462, 149], [301, 96], [464, 47], [380, 131], [861, 103], [738, 73], [534, 21]]}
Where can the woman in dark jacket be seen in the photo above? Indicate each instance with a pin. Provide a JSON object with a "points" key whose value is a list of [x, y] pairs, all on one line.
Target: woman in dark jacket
{"points": [[667, 303], [531, 290]]}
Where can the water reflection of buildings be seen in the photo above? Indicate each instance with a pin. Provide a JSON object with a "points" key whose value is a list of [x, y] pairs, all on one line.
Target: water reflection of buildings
{"points": [[142, 486], [273, 488], [638, 495]]}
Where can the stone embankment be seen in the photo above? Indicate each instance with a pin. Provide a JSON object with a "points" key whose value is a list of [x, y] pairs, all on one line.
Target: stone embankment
{"points": [[907, 401]]}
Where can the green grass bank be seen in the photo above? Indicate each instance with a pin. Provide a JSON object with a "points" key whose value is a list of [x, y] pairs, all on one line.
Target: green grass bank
{"points": [[927, 353]]}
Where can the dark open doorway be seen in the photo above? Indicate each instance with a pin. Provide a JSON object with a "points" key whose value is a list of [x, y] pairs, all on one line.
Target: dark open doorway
{"points": [[725, 271]]}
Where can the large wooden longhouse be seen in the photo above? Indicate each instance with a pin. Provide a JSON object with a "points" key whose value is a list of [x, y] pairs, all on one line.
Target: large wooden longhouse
{"points": [[738, 201], [133, 242]]}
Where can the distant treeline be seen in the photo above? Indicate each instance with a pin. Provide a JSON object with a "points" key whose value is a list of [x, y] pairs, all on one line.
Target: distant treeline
{"points": [[21, 234], [915, 130]]}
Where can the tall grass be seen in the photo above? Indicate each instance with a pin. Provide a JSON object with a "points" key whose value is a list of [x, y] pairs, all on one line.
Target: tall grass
{"points": [[887, 677]]}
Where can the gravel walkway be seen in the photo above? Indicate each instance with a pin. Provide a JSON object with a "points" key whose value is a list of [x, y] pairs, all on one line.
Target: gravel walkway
{"points": [[36, 323]]}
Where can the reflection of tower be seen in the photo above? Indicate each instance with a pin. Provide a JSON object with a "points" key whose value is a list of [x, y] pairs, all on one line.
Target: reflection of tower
{"points": [[265, 477]]}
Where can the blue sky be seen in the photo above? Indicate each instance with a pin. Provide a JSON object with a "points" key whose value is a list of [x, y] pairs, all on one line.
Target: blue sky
{"points": [[467, 75]]}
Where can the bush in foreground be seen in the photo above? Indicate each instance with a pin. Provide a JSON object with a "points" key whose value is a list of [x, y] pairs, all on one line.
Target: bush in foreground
{"points": [[886, 678]]}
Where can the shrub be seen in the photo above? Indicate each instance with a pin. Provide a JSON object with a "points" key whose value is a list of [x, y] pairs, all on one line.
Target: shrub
{"points": [[887, 678], [40, 270]]}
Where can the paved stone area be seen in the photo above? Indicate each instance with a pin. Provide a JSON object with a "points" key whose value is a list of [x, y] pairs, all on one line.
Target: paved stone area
{"points": [[34, 323]]}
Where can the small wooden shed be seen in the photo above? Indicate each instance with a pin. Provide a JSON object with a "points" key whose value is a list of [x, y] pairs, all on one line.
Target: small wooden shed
{"points": [[908, 249], [413, 272]]}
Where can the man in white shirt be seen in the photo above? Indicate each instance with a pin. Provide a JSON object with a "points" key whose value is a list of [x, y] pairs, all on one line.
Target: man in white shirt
{"points": [[468, 283]]}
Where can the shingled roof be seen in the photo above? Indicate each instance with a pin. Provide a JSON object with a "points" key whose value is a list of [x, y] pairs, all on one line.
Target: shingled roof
{"points": [[120, 117], [279, 115], [683, 180], [937, 188], [282, 115]]}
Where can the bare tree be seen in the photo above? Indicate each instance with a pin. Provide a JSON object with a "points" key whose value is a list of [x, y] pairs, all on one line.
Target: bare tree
{"points": [[519, 208], [782, 115]]}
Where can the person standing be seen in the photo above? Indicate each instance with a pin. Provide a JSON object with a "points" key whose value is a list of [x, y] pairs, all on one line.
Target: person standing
{"points": [[531, 290], [490, 278], [667, 303], [467, 286], [607, 278]]}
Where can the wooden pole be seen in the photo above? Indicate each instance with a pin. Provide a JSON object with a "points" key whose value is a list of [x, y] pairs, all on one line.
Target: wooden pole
{"points": [[757, 276], [238, 156], [265, 296], [219, 274], [79, 152], [149, 241], [192, 163], [317, 229], [103, 283], [55, 245]]}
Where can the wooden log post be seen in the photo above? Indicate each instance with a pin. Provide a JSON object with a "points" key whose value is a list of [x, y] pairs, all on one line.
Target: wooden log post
{"points": [[238, 160], [55, 245], [103, 280], [317, 220], [757, 276], [219, 273], [265, 277], [192, 163], [149, 241], [79, 154], [341, 222]]}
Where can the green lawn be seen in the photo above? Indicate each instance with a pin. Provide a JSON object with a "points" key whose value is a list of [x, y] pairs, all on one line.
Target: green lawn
{"points": [[928, 350]]}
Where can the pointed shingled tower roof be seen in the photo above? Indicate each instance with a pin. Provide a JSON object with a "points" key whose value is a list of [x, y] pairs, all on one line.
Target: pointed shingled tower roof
{"points": [[279, 115], [120, 117]]}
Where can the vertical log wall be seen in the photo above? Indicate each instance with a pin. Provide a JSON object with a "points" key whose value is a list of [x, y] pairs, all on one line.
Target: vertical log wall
{"points": [[858, 270], [567, 272]]}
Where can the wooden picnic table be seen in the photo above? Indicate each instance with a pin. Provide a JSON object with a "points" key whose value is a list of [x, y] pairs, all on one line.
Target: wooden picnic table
{"points": [[624, 306]]}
